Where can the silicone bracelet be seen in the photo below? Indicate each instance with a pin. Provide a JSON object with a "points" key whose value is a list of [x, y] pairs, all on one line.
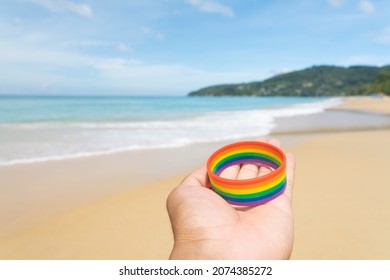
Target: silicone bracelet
{"points": [[249, 192]]}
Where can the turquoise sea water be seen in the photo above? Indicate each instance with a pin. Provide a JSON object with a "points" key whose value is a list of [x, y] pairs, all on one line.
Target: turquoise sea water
{"points": [[44, 128]]}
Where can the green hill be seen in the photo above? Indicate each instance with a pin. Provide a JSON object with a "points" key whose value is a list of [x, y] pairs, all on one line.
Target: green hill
{"points": [[314, 81], [381, 83]]}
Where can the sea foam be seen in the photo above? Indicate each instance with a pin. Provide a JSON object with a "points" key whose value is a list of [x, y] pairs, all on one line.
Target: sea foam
{"points": [[25, 142]]}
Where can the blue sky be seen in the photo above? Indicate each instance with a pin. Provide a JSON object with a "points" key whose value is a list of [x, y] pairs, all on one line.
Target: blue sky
{"points": [[171, 47]]}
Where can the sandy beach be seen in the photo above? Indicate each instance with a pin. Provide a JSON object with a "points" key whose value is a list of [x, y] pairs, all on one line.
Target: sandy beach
{"points": [[113, 206]]}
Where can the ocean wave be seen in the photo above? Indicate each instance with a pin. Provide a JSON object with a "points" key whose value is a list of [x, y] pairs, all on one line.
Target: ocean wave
{"points": [[46, 141]]}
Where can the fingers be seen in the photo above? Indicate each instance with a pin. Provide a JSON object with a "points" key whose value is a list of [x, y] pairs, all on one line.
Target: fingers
{"points": [[290, 169], [197, 178], [249, 170], [263, 170], [290, 174], [231, 172]]}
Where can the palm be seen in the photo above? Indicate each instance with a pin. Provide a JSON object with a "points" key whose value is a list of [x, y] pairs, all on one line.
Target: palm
{"points": [[206, 226]]}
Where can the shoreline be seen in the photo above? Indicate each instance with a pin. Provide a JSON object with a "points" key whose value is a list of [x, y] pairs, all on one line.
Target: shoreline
{"points": [[281, 128], [112, 191], [128, 170], [45, 144], [30, 138]]}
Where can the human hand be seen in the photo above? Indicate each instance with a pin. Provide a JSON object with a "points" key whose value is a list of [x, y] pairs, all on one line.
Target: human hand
{"points": [[205, 226]]}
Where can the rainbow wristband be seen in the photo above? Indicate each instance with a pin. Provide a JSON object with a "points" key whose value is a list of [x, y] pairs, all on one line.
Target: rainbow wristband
{"points": [[249, 192]]}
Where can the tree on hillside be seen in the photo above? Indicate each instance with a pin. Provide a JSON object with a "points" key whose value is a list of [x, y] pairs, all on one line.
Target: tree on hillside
{"points": [[381, 83]]}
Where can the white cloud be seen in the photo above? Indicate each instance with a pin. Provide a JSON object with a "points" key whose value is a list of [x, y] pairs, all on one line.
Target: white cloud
{"points": [[17, 20], [146, 30], [211, 6], [279, 71], [85, 43], [32, 68], [36, 37], [336, 3], [167, 78], [367, 59], [60, 6], [366, 6], [124, 48], [38, 55]]}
